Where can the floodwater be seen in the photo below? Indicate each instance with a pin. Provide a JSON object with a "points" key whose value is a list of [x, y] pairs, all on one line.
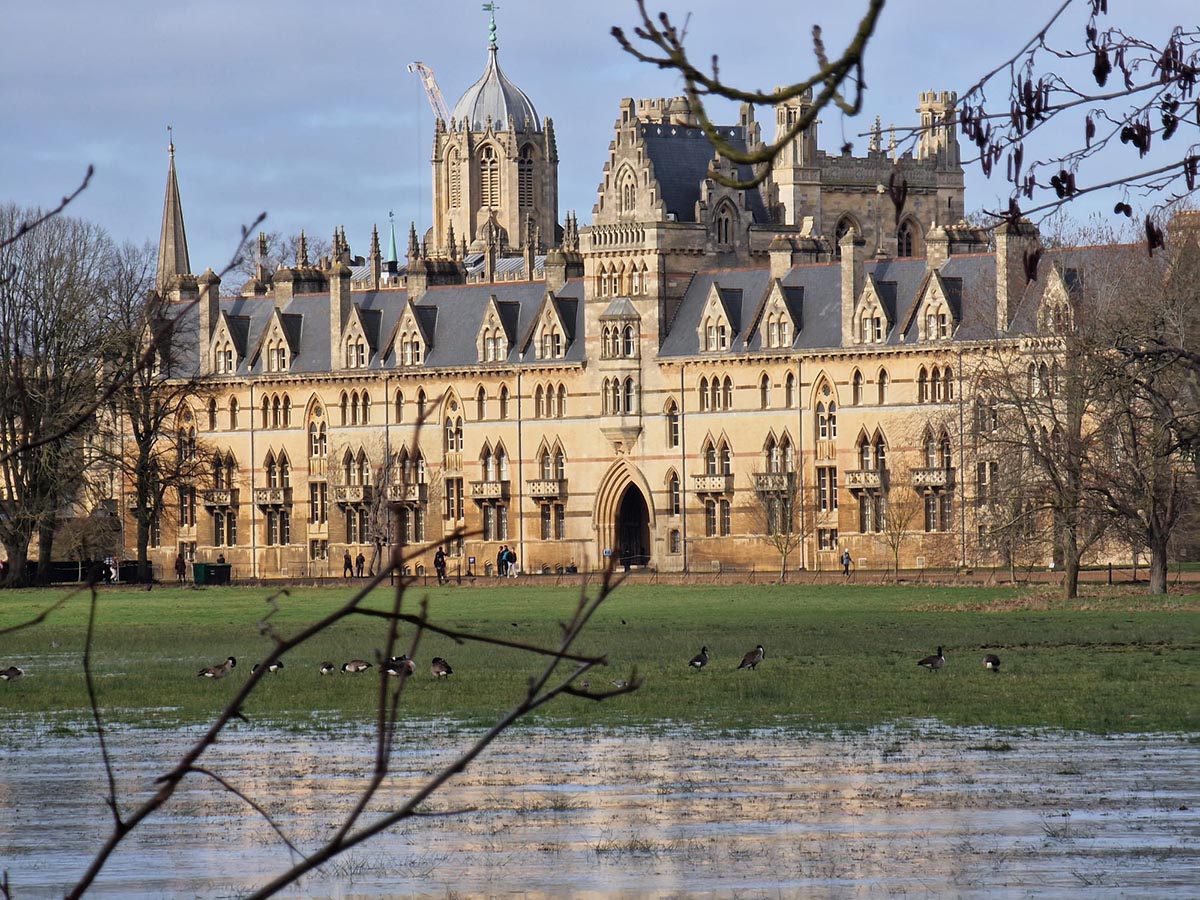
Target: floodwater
{"points": [[912, 810]]}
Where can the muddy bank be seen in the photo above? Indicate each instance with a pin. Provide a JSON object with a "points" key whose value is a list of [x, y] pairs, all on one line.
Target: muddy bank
{"points": [[895, 811]]}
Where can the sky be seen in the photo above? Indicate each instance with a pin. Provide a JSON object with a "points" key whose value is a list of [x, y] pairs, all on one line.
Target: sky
{"points": [[306, 111]]}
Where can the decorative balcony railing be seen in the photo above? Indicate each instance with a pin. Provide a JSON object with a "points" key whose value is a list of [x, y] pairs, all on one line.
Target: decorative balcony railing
{"points": [[712, 484], [774, 482], [408, 493], [864, 479], [219, 497], [352, 494], [490, 490], [932, 478], [547, 488], [273, 496]]}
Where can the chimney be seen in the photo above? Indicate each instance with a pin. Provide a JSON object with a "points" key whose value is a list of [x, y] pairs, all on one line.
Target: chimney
{"points": [[937, 247], [1018, 250], [853, 253], [780, 251], [208, 309], [339, 309]]}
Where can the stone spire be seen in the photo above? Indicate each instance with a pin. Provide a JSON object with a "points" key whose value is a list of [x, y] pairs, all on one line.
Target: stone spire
{"points": [[302, 251], [172, 243], [376, 258], [392, 260], [414, 251]]}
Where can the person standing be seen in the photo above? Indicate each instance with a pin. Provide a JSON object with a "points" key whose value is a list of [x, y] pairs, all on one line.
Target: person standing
{"points": [[347, 565], [180, 569], [511, 563], [502, 562], [359, 562], [846, 562], [439, 565]]}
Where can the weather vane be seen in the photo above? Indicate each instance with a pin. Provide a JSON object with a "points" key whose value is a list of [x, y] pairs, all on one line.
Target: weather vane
{"points": [[170, 139], [491, 8]]}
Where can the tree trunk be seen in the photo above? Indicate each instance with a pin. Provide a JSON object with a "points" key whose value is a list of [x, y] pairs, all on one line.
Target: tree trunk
{"points": [[1158, 539], [143, 550], [45, 548], [18, 553], [1070, 551]]}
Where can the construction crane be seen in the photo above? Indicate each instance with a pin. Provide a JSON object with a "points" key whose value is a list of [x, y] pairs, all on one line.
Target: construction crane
{"points": [[431, 90]]}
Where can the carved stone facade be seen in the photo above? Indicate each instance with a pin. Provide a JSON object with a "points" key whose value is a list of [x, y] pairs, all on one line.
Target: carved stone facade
{"points": [[648, 388]]}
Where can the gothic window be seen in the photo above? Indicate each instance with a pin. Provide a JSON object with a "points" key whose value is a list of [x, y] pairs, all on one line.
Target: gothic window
{"points": [[481, 404], [772, 332], [672, 424], [884, 381], [726, 460], [789, 390], [525, 178], [212, 415], [725, 227], [906, 239], [703, 394], [489, 178], [629, 346], [455, 178], [922, 386], [503, 401], [947, 384], [674, 495], [628, 191], [727, 393], [856, 388], [764, 392], [710, 459], [539, 402], [630, 397], [561, 407], [233, 414]]}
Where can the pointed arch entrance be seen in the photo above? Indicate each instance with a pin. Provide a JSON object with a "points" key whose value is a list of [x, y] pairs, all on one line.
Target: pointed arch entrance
{"points": [[624, 517], [633, 528]]}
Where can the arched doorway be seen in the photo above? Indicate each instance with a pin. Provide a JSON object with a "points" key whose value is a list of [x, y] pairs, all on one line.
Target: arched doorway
{"points": [[633, 528]]}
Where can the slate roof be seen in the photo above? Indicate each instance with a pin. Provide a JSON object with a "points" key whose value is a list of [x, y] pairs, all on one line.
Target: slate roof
{"points": [[681, 156]]}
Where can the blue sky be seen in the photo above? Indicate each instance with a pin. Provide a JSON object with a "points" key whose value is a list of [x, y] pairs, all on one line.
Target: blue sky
{"points": [[306, 110]]}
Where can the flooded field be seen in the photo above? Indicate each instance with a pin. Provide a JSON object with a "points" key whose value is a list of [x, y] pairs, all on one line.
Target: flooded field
{"points": [[905, 811]]}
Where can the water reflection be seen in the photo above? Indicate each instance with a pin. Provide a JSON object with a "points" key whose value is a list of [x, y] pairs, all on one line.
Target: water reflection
{"points": [[895, 811]]}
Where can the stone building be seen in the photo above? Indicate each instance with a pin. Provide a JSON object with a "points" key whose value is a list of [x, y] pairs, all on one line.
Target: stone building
{"points": [[650, 387]]}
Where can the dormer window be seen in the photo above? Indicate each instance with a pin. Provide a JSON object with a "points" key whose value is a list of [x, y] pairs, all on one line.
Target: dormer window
{"points": [[356, 354], [224, 359]]}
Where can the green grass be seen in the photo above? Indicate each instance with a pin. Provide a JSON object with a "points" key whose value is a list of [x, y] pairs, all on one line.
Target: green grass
{"points": [[837, 656]]}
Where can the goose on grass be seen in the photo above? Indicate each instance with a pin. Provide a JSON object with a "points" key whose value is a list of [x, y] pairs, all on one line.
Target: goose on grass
{"points": [[752, 658], [933, 663], [700, 660], [219, 671]]}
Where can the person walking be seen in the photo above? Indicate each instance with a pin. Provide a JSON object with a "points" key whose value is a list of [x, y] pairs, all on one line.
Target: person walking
{"points": [[439, 565], [180, 569], [502, 562], [359, 562], [511, 563], [347, 565], [846, 562]]}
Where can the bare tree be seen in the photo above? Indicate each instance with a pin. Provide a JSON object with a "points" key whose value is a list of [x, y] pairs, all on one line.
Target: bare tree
{"points": [[784, 513], [899, 513], [151, 419], [48, 376]]}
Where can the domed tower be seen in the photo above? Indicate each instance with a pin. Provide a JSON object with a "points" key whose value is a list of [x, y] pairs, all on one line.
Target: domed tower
{"points": [[495, 168]]}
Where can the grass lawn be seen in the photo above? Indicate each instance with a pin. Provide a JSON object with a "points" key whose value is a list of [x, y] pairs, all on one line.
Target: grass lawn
{"points": [[837, 656]]}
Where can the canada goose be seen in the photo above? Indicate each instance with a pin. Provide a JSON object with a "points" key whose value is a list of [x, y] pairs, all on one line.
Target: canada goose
{"points": [[439, 668], [355, 666], [700, 660], [933, 663], [753, 658], [272, 668], [328, 668], [218, 671], [401, 665], [12, 673], [992, 662]]}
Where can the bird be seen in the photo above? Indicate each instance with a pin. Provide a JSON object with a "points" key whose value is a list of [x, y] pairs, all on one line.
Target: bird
{"points": [[439, 668], [933, 663], [12, 673], [355, 666], [991, 662], [328, 668], [400, 665], [753, 658], [272, 668], [700, 660], [218, 671]]}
